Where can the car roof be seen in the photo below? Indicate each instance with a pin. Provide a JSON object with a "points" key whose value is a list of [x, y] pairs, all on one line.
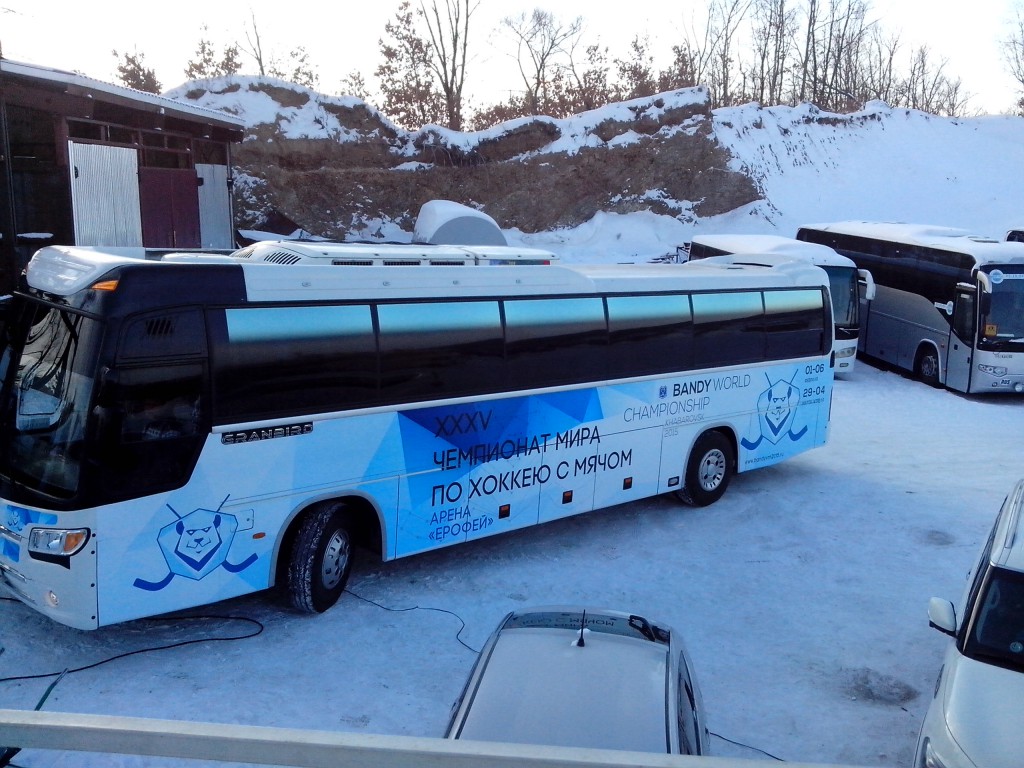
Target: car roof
{"points": [[610, 693]]}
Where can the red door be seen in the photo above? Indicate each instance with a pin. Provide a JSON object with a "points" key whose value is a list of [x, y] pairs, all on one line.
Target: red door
{"points": [[169, 199]]}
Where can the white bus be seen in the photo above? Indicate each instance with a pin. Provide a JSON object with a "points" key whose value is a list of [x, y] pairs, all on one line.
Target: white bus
{"points": [[847, 284], [179, 431], [949, 306]]}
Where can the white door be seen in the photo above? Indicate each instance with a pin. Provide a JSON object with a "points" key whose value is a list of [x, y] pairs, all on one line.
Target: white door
{"points": [[959, 354], [215, 226], [105, 194]]}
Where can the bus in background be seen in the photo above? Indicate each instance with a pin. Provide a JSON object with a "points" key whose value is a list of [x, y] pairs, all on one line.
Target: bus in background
{"points": [[182, 430], [847, 284], [949, 305]]}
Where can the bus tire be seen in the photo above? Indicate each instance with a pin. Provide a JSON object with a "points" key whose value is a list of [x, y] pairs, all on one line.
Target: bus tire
{"points": [[926, 366], [708, 470], [320, 559]]}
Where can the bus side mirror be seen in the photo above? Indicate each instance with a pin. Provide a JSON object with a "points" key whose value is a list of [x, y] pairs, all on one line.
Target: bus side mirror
{"points": [[947, 307], [986, 303], [866, 280]]}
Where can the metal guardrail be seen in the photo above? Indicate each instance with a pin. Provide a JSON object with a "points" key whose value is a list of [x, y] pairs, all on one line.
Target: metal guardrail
{"points": [[262, 745]]}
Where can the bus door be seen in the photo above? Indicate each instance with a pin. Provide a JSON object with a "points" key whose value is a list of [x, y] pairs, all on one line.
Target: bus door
{"points": [[960, 352]]}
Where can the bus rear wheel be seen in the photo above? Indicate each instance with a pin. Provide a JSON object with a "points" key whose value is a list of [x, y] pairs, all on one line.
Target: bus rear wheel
{"points": [[926, 368], [320, 559], [708, 470]]}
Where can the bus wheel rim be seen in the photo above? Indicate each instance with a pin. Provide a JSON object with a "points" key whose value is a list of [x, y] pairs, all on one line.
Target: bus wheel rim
{"points": [[712, 470], [335, 559]]}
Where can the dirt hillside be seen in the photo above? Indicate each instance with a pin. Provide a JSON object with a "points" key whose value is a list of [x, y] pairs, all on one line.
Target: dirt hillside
{"points": [[336, 166]]}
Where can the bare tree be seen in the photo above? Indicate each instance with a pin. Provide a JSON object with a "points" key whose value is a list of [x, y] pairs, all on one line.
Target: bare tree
{"points": [[1013, 55], [255, 49], [774, 27], [636, 76], [583, 85], [681, 72], [405, 75], [880, 77], [540, 38], [448, 25], [297, 69], [133, 72], [205, 64], [712, 51], [927, 88]]}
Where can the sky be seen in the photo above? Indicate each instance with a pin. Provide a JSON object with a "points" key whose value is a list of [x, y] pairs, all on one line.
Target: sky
{"points": [[72, 35], [802, 594]]}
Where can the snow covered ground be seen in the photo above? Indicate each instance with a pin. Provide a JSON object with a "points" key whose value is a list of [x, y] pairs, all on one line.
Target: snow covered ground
{"points": [[801, 594]]}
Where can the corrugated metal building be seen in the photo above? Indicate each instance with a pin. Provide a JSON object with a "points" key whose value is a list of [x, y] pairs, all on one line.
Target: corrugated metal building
{"points": [[85, 162]]}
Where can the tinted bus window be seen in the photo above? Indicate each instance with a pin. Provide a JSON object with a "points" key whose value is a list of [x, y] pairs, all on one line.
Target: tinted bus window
{"points": [[551, 341], [271, 362], [649, 334], [431, 351], [728, 328], [795, 323]]}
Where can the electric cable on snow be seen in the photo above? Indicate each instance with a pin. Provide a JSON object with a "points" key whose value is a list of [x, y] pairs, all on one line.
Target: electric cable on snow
{"points": [[458, 635]]}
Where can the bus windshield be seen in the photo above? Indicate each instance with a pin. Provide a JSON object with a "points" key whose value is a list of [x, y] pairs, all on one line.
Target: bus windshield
{"points": [[843, 291], [1003, 325], [45, 399]]}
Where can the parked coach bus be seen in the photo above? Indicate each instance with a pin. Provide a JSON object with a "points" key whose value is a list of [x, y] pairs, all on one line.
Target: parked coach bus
{"points": [[847, 284], [949, 306], [181, 430]]}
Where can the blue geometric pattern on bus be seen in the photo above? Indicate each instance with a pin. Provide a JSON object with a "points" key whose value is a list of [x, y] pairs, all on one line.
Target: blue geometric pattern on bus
{"points": [[466, 425], [15, 519], [195, 545], [776, 408]]}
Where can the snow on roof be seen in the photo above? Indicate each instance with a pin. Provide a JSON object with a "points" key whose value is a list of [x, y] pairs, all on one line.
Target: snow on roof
{"points": [[92, 85], [984, 248], [774, 245]]}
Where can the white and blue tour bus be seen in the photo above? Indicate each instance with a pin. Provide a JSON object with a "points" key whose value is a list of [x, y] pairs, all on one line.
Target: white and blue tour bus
{"points": [[848, 285], [176, 430], [949, 306]]}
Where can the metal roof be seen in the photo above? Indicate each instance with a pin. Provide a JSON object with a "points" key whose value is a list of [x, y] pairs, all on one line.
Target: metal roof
{"points": [[82, 85]]}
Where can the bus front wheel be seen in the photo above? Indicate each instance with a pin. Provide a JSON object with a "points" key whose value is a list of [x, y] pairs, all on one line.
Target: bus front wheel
{"points": [[708, 470], [927, 366], [320, 559]]}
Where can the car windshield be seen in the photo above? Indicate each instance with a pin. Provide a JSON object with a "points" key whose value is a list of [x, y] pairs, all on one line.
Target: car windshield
{"points": [[45, 398], [997, 633]]}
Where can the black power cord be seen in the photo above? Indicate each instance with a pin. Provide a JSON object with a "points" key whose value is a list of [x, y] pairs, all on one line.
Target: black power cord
{"points": [[180, 644], [458, 635]]}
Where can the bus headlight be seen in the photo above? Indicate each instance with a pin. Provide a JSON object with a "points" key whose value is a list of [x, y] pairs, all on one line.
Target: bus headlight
{"points": [[54, 541], [993, 370], [848, 352]]}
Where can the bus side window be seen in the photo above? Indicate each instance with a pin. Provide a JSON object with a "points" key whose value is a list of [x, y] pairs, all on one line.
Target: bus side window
{"points": [[728, 328], [551, 341], [649, 334]]}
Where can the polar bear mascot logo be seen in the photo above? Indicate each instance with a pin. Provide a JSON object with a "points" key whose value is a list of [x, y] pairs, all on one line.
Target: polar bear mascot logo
{"points": [[776, 409], [195, 545]]}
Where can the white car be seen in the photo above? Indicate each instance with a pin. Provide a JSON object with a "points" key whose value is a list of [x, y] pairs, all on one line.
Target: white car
{"points": [[976, 719], [583, 678]]}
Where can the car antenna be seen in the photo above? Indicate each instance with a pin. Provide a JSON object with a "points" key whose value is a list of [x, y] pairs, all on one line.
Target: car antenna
{"points": [[583, 622]]}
